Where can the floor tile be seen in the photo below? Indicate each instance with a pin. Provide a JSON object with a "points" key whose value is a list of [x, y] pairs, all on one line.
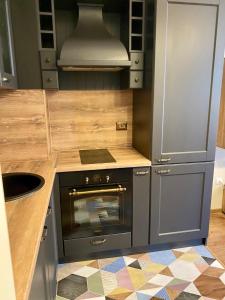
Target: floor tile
{"points": [[183, 273], [187, 296], [72, 287], [210, 286]]}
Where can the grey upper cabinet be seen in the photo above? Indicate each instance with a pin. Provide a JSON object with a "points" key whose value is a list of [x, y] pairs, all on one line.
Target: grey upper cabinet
{"points": [[180, 202], [7, 62], [25, 33], [189, 49]]}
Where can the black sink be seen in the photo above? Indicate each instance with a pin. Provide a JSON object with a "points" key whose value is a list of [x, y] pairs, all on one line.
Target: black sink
{"points": [[17, 185]]}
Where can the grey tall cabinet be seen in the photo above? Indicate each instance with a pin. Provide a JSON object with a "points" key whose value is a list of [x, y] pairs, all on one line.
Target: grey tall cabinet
{"points": [[176, 114]]}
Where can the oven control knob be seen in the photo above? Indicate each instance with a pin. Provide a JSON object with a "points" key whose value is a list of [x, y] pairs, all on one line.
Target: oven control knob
{"points": [[86, 180], [107, 179]]}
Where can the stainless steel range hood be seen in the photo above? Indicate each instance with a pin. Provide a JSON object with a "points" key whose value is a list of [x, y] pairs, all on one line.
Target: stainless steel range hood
{"points": [[91, 47]]}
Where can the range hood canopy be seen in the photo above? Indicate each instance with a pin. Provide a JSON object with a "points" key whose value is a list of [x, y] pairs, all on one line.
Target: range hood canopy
{"points": [[91, 47]]}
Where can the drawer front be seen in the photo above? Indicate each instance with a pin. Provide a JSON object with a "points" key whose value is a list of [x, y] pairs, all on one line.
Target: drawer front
{"points": [[84, 246], [50, 79], [48, 60], [136, 79], [137, 60]]}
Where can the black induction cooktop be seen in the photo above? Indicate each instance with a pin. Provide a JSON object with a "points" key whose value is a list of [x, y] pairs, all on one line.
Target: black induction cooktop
{"points": [[96, 156]]}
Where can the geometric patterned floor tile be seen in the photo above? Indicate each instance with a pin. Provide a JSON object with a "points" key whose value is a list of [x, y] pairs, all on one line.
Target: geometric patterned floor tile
{"points": [[211, 287], [178, 284], [189, 273], [187, 296], [163, 294], [192, 289], [72, 287], [161, 280], [165, 257]]}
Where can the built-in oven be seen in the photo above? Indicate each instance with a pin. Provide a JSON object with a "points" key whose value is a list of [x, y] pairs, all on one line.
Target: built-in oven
{"points": [[96, 210]]}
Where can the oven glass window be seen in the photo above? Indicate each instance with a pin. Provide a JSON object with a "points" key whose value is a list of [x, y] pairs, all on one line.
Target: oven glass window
{"points": [[97, 211]]}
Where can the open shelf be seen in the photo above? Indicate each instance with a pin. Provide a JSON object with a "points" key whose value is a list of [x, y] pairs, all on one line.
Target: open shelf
{"points": [[136, 43], [45, 6], [136, 26], [46, 22], [47, 40], [137, 9]]}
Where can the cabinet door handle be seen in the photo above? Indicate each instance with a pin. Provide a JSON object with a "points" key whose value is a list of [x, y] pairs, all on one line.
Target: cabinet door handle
{"points": [[5, 79], [98, 242], [164, 160], [141, 173], [49, 211], [44, 234], [162, 172]]}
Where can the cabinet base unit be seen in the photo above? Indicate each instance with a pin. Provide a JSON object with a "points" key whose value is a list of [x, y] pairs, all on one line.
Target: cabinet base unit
{"points": [[180, 202], [102, 211], [44, 280]]}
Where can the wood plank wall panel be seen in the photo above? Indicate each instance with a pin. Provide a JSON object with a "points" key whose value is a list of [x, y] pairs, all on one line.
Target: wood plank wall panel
{"points": [[23, 130], [221, 129], [87, 119]]}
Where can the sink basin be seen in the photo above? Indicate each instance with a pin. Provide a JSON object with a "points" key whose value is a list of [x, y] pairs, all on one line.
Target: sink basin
{"points": [[17, 185]]}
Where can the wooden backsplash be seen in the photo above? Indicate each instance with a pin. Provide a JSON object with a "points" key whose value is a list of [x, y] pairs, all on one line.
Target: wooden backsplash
{"points": [[87, 119], [23, 130], [33, 122]]}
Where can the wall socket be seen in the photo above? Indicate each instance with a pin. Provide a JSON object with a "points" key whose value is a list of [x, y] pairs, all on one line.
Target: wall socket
{"points": [[121, 125]]}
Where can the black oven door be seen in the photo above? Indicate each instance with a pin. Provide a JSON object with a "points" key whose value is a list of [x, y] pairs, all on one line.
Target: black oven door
{"points": [[95, 210]]}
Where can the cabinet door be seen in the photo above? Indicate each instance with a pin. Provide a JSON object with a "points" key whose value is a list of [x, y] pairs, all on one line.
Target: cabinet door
{"points": [[25, 32], [7, 63], [44, 280], [39, 289], [180, 202], [189, 50]]}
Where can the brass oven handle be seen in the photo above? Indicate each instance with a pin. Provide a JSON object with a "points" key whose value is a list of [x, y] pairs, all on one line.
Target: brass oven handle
{"points": [[98, 242], [119, 189]]}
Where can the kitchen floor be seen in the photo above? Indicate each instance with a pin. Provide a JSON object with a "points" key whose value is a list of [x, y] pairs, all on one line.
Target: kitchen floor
{"points": [[216, 241], [186, 273]]}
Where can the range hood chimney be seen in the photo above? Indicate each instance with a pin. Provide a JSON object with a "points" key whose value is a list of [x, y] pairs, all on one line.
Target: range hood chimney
{"points": [[91, 47]]}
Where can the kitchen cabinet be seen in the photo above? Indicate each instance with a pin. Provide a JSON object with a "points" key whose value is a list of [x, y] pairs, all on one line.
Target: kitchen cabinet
{"points": [[25, 32], [180, 202], [44, 280], [39, 284], [7, 62], [175, 115], [189, 46]]}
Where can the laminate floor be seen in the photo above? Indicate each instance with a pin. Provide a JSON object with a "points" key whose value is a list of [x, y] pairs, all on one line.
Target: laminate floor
{"points": [[216, 240]]}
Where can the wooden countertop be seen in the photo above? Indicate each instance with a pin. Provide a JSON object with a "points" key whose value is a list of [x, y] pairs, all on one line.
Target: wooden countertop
{"points": [[26, 216], [125, 158]]}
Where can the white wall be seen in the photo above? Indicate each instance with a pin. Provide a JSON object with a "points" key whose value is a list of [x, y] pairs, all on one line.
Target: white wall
{"points": [[7, 290], [219, 179]]}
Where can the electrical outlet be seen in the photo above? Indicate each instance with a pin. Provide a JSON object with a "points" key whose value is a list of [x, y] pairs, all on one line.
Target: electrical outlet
{"points": [[121, 125]]}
